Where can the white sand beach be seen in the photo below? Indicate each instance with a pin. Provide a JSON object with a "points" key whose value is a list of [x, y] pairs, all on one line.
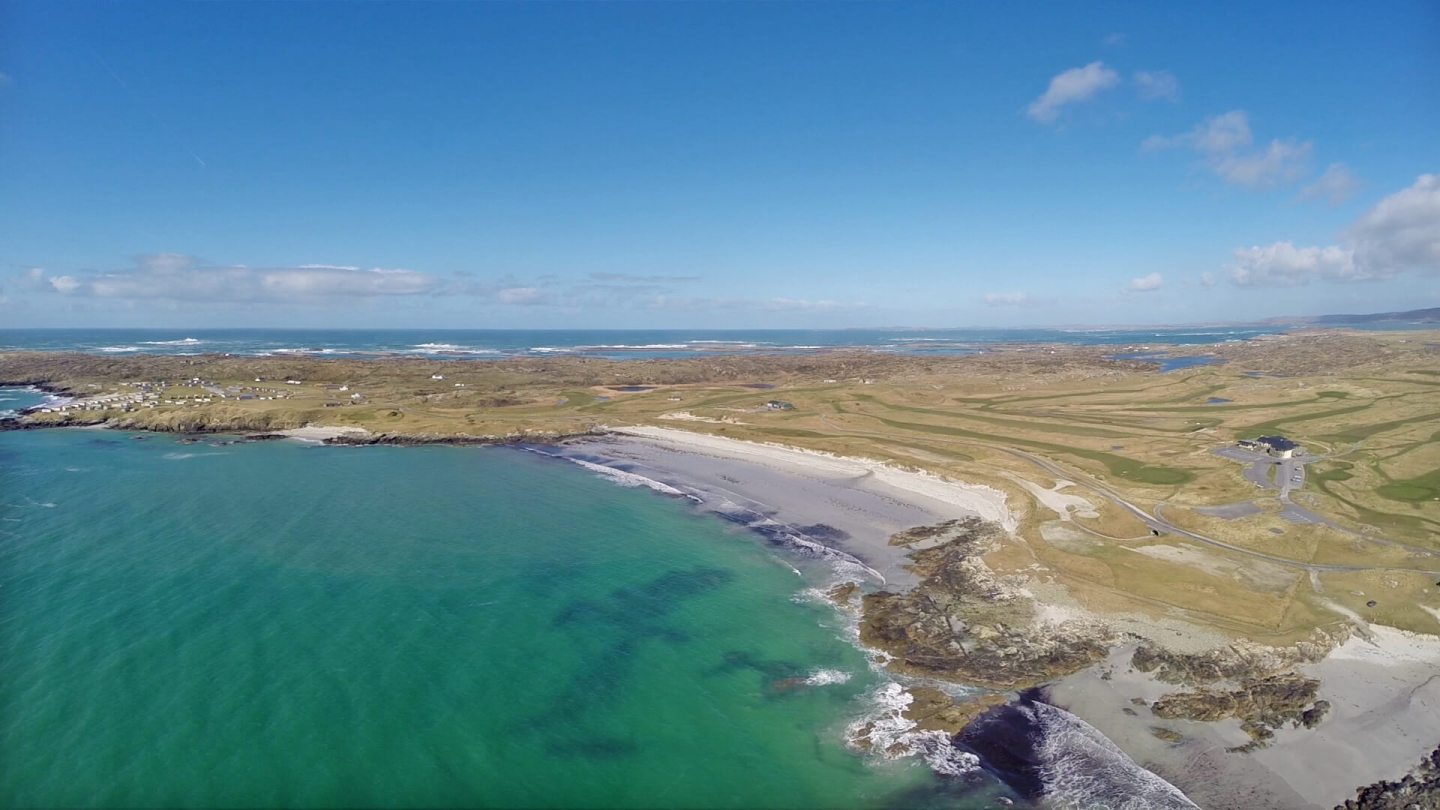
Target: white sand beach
{"points": [[319, 433], [850, 504], [1383, 684], [1384, 693], [977, 499]]}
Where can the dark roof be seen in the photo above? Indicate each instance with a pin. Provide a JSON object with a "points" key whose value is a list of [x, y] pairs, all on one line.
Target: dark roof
{"points": [[1277, 442]]}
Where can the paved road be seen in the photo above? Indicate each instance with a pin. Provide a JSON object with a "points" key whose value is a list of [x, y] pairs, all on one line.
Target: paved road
{"points": [[1157, 522], [1287, 475]]}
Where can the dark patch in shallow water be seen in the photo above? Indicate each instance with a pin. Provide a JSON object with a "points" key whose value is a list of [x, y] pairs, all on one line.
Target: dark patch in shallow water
{"points": [[597, 748], [1008, 741], [1035, 747], [638, 613], [823, 532], [737, 660]]}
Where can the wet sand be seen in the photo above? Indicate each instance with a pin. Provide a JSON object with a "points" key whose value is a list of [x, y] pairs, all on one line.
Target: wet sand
{"points": [[1384, 692], [852, 505], [1383, 684]]}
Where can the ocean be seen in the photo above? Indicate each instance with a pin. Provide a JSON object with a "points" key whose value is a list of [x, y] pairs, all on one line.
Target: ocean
{"points": [[289, 625], [620, 344]]}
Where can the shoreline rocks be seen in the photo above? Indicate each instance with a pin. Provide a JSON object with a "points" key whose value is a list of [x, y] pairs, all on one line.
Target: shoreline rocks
{"points": [[963, 623]]}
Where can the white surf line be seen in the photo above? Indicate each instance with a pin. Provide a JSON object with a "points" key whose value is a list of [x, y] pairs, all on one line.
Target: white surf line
{"points": [[987, 502], [758, 518]]}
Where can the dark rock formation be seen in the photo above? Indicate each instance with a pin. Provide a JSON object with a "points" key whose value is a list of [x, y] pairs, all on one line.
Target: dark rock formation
{"points": [[963, 623], [1262, 704], [1418, 790]]}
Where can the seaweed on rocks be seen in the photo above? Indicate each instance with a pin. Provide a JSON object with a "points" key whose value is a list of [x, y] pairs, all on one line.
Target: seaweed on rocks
{"points": [[964, 623], [1254, 684], [1262, 704], [1235, 661]]}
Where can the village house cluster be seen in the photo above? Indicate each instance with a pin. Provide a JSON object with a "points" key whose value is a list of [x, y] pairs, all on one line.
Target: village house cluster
{"points": [[154, 394]]}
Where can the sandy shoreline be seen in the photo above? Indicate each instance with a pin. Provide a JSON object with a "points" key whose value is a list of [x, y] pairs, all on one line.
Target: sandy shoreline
{"points": [[1384, 693], [320, 433], [852, 505], [1383, 684]]}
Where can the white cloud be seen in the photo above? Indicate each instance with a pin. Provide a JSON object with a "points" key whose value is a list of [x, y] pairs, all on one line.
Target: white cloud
{"points": [[175, 277], [1400, 234], [1280, 163], [65, 284], [1227, 146], [1284, 265], [1146, 283], [33, 279], [1071, 87], [1208, 280], [1336, 185], [1157, 85], [1114, 40], [1010, 299], [521, 295]]}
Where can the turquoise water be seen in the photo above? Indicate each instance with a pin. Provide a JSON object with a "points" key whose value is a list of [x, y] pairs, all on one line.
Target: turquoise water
{"points": [[274, 624]]}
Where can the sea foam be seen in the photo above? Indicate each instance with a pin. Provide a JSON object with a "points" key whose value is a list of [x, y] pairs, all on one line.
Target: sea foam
{"points": [[1081, 768], [889, 734], [827, 677], [629, 479]]}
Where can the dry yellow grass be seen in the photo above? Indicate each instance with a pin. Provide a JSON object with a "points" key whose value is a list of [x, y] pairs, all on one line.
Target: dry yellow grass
{"points": [[1119, 431]]}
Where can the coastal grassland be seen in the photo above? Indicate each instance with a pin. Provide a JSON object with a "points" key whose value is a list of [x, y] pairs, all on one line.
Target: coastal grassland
{"points": [[1136, 446], [1405, 600]]}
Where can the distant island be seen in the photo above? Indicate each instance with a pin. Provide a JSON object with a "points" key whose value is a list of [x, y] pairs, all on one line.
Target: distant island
{"points": [[1430, 315]]}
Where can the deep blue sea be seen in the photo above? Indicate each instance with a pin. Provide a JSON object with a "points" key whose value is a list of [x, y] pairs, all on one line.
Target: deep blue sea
{"points": [[498, 343]]}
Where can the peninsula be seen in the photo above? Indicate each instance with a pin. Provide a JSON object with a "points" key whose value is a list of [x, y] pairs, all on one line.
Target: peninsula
{"points": [[1229, 568]]}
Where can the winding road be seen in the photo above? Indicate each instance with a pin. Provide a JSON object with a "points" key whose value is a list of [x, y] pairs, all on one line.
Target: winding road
{"points": [[1157, 522]]}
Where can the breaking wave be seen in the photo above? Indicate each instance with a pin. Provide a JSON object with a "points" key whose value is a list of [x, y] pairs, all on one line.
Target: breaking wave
{"points": [[886, 732], [1082, 768], [189, 341], [629, 479], [632, 347], [1049, 754], [448, 348], [826, 677]]}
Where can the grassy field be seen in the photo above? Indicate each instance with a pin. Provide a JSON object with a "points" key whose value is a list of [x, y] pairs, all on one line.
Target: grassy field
{"points": [[1129, 439]]}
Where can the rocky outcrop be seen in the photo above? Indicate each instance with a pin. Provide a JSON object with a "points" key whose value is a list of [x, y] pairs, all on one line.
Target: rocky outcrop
{"points": [[1262, 704], [933, 710], [1252, 683], [963, 623], [1418, 790], [1235, 661]]}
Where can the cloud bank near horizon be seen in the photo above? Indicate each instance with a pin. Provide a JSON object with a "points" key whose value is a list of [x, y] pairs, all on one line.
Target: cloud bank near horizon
{"points": [[1399, 235]]}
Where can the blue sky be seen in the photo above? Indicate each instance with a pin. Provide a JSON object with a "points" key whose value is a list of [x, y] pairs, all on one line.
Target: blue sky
{"points": [[715, 164]]}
